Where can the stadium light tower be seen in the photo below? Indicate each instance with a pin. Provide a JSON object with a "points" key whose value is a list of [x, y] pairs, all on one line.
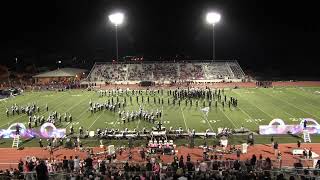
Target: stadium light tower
{"points": [[213, 18], [116, 19]]}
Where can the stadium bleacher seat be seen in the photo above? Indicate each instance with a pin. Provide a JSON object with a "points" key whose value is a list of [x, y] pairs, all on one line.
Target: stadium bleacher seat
{"points": [[161, 72]]}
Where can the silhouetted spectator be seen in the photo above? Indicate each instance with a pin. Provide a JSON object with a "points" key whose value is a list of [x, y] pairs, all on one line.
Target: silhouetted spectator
{"points": [[42, 171]]}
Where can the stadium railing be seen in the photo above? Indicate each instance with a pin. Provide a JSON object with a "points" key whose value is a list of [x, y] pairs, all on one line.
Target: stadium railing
{"points": [[168, 172]]}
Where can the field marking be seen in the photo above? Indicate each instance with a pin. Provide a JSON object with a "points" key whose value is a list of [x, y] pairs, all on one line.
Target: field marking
{"points": [[291, 105], [95, 120], [41, 114], [209, 124], [248, 115], [85, 109], [311, 92], [289, 114], [305, 96], [72, 107], [115, 122], [184, 119], [82, 112], [227, 117], [254, 105]]}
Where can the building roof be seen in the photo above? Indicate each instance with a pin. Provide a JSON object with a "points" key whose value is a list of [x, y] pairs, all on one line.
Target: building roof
{"points": [[62, 72]]}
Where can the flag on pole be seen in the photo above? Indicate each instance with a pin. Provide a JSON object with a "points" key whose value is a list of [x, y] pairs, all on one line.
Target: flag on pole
{"points": [[205, 110]]}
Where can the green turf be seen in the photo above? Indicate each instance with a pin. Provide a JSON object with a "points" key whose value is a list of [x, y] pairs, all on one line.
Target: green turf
{"points": [[255, 107]]}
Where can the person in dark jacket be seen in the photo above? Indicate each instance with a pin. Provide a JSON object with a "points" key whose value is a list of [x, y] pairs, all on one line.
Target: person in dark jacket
{"points": [[42, 171]]}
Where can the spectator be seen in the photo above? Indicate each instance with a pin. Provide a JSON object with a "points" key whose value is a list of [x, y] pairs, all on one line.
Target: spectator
{"points": [[148, 168], [253, 160], [275, 147], [310, 153], [76, 164], [181, 163], [65, 164], [88, 162], [238, 154], [156, 169], [203, 166], [71, 164], [305, 154], [298, 165], [42, 171], [20, 166]]}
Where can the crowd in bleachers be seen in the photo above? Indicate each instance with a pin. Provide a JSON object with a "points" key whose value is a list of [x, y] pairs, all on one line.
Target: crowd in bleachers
{"points": [[166, 71], [138, 72], [190, 71], [108, 167]]}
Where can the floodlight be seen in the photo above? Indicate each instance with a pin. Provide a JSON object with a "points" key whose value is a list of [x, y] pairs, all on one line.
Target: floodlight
{"points": [[213, 18], [116, 18]]}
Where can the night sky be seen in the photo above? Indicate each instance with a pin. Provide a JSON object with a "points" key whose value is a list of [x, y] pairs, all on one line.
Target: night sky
{"points": [[264, 36]]}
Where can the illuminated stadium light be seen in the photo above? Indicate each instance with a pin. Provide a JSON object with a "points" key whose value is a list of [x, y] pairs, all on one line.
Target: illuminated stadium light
{"points": [[116, 18], [213, 18]]}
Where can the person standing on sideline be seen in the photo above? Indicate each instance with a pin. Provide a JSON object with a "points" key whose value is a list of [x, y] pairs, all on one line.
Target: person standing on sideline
{"points": [[272, 141], [275, 147], [299, 143], [310, 153]]}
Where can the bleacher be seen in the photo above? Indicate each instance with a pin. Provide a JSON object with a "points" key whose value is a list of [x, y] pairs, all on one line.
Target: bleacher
{"points": [[203, 71], [140, 72]]}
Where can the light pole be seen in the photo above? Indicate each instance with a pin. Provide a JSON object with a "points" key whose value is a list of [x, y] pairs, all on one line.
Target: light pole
{"points": [[213, 18], [116, 19], [59, 63]]}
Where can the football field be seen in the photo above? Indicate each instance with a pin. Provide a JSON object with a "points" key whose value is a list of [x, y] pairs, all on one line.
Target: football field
{"points": [[256, 106]]}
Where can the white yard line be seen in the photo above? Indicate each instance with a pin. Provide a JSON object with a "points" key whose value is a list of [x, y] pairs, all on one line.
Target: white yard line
{"points": [[79, 118], [248, 115], [305, 96], [256, 106], [115, 122], [289, 114], [209, 124], [291, 105], [184, 119], [228, 118], [72, 107], [95, 120]]}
